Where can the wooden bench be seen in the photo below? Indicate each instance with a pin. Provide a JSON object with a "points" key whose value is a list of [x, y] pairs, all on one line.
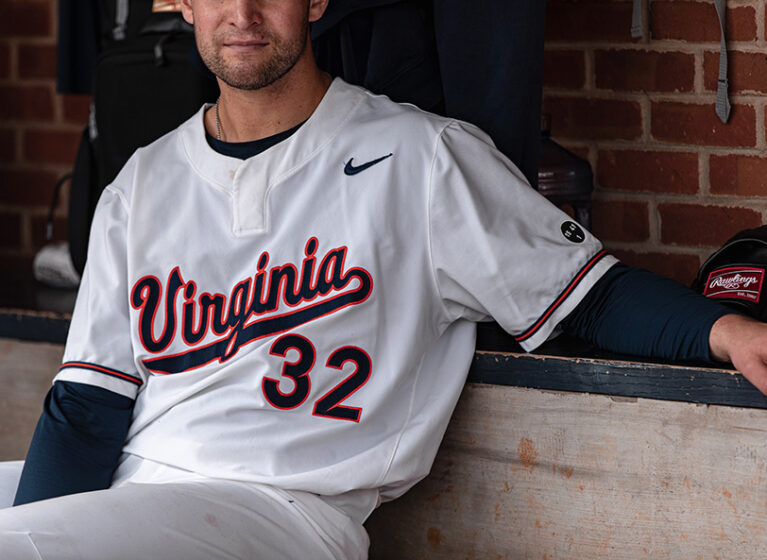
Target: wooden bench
{"points": [[549, 455]]}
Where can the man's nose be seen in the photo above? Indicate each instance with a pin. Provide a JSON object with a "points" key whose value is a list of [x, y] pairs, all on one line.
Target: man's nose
{"points": [[246, 13]]}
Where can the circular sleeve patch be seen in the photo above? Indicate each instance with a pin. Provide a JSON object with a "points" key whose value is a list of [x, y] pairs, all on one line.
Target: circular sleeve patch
{"points": [[573, 232]]}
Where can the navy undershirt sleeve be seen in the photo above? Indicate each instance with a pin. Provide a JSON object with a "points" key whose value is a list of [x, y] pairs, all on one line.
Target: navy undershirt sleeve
{"points": [[633, 311], [77, 442]]}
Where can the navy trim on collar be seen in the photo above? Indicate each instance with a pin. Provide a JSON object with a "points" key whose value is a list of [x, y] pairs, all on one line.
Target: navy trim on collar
{"points": [[245, 150]]}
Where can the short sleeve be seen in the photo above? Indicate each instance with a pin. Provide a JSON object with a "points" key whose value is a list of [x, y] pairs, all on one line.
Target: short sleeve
{"points": [[98, 349], [499, 249]]}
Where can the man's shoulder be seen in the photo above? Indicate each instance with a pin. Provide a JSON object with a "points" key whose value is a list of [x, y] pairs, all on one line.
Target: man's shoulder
{"points": [[373, 108], [373, 116]]}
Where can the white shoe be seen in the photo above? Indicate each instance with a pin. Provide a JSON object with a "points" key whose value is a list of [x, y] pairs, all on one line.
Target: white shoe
{"points": [[53, 266]]}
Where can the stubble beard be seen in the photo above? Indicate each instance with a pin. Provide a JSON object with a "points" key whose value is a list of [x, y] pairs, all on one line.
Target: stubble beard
{"points": [[250, 76]]}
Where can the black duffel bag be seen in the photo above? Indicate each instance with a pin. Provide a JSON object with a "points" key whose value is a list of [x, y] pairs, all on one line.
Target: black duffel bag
{"points": [[147, 80]]}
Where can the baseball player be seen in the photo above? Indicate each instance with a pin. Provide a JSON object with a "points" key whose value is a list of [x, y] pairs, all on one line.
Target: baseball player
{"points": [[277, 314]]}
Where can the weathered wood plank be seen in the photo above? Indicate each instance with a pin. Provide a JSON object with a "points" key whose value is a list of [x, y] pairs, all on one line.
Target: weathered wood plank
{"points": [[26, 372], [525, 473]]}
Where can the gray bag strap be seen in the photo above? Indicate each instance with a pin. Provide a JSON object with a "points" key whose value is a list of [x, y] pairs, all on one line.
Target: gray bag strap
{"points": [[121, 19], [636, 20], [722, 101]]}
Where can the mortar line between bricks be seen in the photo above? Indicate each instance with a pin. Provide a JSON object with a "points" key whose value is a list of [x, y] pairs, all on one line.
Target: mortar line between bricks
{"points": [[641, 248], [44, 166], [655, 146], [24, 122], [656, 45], [705, 97], [749, 202], [11, 252], [699, 86], [26, 233], [653, 217], [13, 52], [651, 48], [662, 197], [17, 209], [646, 31], [644, 196], [589, 71], [62, 169], [54, 21], [748, 48], [645, 113], [726, 151], [715, 201], [38, 212], [610, 195], [36, 41], [18, 148], [704, 172], [28, 82], [743, 3], [58, 109], [65, 126], [33, 127], [759, 116]]}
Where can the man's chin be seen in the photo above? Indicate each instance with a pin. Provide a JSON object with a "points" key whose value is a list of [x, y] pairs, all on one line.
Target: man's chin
{"points": [[248, 83], [243, 72]]}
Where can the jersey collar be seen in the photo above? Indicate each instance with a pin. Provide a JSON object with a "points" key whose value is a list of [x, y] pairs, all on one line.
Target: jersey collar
{"points": [[249, 181]]}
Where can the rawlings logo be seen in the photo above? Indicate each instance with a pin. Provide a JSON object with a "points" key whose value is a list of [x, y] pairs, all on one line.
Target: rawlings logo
{"points": [[237, 319], [735, 283]]}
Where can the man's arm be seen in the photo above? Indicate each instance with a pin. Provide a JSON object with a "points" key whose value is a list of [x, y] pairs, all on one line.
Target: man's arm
{"points": [[633, 311], [86, 415], [76, 444], [742, 341]]}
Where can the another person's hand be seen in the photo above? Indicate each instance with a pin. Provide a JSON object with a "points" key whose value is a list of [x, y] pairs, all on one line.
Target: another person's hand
{"points": [[742, 341]]}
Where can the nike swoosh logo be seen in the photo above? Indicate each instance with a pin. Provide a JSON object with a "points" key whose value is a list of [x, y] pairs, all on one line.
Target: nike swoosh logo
{"points": [[353, 170]]}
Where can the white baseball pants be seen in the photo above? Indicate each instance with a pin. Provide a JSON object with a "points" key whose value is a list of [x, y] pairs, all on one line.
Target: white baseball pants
{"points": [[178, 515]]}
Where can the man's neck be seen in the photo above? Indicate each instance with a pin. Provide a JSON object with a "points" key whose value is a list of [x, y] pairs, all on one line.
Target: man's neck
{"points": [[246, 115]]}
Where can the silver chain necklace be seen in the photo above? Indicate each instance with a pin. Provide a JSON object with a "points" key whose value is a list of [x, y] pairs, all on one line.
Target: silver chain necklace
{"points": [[218, 121]]}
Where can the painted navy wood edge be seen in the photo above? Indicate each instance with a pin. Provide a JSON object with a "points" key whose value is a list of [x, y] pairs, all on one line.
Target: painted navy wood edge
{"points": [[634, 379], [34, 326]]}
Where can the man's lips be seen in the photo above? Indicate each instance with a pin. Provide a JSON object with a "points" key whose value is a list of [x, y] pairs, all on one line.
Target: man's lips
{"points": [[246, 45]]}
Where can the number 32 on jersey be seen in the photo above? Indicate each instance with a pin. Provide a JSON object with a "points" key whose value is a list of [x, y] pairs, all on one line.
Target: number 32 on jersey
{"points": [[301, 370]]}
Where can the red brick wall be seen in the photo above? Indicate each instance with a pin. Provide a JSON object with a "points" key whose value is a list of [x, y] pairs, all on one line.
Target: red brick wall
{"points": [[39, 129], [672, 181]]}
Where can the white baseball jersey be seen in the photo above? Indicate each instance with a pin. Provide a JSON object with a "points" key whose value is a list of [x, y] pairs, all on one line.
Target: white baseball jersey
{"points": [[304, 318]]}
